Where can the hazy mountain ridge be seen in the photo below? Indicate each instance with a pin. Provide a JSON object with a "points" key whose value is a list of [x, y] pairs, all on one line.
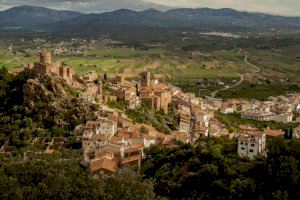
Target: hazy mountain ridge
{"points": [[179, 18], [33, 16], [201, 17]]}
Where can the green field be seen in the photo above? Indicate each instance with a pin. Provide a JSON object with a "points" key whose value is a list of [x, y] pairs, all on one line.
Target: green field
{"points": [[125, 53], [285, 61], [110, 65], [255, 91]]}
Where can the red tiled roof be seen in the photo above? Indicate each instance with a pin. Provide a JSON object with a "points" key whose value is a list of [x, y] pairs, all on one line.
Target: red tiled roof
{"points": [[131, 159], [273, 133], [145, 90], [103, 163]]}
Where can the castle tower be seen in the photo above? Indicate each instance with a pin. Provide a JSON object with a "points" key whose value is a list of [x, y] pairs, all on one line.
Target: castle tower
{"points": [[145, 79], [45, 58], [120, 78]]}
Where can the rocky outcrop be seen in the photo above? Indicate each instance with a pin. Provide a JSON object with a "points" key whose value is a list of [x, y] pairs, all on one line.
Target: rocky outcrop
{"points": [[47, 97]]}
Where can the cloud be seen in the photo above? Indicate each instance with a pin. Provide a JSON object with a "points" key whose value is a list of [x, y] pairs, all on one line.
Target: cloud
{"points": [[283, 7], [88, 6]]}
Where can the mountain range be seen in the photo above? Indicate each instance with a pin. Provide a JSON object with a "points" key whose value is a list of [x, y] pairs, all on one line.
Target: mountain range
{"points": [[38, 17], [24, 16]]}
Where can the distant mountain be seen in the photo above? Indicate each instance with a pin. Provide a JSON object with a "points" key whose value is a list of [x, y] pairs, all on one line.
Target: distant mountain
{"points": [[40, 17], [91, 6], [180, 18], [24, 16]]}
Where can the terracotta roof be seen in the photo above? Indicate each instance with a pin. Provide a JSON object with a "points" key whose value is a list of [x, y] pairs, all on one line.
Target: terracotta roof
{"points": [[131, 159], [103, 153], [162, 85], [249, 128], [137, 144], [159, 90], [181, 136], [273, 133], [103, 163], [256, 133], [124, 135], [100, 137], [130, 150], [145, 90], [243, 138]]}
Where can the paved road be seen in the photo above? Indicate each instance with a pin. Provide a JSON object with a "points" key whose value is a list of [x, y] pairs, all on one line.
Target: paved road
{"points": [[228, 86], [246, 60]]}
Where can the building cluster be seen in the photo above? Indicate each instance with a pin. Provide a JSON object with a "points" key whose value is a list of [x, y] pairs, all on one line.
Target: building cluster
{"points": [[113, 143], [278, 109], [134, 93]]}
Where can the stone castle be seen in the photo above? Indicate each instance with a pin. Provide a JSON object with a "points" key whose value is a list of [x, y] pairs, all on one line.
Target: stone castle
{"points": [[47, 66], [89, 90]]}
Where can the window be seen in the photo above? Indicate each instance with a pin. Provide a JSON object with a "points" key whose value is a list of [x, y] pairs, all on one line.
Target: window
{"points": [[251, 150], [242, 142], [252, 145], [243, 148]]}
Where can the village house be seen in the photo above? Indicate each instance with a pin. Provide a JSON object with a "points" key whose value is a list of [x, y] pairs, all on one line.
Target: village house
{"points": [[284, 118], [92, 94], [104, 165], [112, 158], [227, 108], [245, 129], [258, 115], [252, 145], [184, 119]]}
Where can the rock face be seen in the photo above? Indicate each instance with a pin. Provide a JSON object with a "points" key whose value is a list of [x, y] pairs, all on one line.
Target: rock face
{"points": [[47, 96]]}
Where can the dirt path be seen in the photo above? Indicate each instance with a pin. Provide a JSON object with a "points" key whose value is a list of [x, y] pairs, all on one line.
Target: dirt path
{"points": [[153, 65], [242, 79]]}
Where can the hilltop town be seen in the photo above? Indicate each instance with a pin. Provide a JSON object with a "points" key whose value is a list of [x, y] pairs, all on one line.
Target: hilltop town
{"points": [[115, 140]]}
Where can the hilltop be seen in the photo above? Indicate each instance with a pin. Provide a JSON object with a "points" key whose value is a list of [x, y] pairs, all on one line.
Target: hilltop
{"points": [[23, 16]]}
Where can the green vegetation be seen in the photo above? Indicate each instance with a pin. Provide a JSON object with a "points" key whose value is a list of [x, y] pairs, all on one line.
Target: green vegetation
{"points": [[234, 120], [158, 119], [125, 53], [20, 121], [283, 61], [61, 179], [258, 91], [120, 105], [212, 170]]}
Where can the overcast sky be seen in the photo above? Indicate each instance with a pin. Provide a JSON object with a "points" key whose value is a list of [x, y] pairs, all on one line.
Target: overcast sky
{"points": [[283, 7]]}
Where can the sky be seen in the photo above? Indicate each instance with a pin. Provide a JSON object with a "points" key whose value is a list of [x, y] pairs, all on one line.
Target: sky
{"points": [[282, 7]]}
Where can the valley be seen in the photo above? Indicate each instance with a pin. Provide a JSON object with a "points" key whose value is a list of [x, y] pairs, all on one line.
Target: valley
{"points": [[142, 103]]}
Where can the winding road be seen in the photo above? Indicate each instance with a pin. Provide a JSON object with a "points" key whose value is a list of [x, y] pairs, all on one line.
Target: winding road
{"points": [[246, 60]]}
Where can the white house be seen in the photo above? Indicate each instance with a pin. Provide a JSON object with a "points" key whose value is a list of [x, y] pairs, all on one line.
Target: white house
{"points": [[251, 145], [284, 118]]}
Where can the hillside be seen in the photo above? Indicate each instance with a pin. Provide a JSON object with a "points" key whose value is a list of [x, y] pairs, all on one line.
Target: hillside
{"points": [[179, 18], [38, 106], [23, 16]]}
